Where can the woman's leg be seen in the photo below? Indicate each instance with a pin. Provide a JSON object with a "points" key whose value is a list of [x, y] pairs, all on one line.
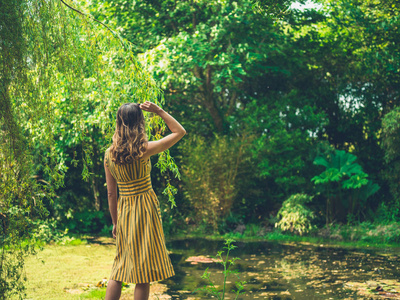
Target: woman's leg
{"points": [[113, 291], [142, 291]]}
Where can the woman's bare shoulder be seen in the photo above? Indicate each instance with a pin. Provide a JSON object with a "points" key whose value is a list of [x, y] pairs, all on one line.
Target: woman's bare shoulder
{"points": [[108, 150], [107, 153]]}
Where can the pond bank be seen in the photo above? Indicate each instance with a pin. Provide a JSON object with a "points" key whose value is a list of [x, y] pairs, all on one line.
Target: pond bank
{"points": [[363, 235]]}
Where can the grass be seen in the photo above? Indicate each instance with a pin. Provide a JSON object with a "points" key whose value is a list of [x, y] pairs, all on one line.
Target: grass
{"points": [[94, 294], [65, 271], [70, 271]]}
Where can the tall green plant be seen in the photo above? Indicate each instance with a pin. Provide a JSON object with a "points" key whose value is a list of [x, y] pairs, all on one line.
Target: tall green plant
{"points": [[342, 174], [227, 263]]}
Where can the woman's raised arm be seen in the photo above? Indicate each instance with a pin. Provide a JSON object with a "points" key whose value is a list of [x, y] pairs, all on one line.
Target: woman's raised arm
{"points": [[155, 147]]}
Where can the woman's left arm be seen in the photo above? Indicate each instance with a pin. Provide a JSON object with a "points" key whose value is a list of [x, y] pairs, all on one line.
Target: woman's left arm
{"points": [[112, 197]]}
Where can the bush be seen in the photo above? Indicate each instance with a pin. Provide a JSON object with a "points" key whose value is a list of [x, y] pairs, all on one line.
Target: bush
{"points": [[86, 222], [367, 232], [47, 231], [387, 213], [295, 216], [209, 171], [391, 145]]}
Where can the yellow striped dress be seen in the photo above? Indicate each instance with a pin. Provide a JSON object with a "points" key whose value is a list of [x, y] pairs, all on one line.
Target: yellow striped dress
{"points": [[141, 252]]}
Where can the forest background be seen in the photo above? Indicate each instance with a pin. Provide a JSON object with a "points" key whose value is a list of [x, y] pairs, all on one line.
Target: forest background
{"points": [[291, 115]]}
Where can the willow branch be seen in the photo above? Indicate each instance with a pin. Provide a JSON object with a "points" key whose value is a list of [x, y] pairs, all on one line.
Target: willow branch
{"points": [[94, 19]]}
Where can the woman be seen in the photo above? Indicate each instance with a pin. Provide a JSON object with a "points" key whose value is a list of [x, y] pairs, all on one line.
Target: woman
{"points": [[141, 253]]}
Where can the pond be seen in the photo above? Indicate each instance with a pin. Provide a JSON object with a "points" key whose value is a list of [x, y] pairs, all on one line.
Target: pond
{"points": [[280, 271]]}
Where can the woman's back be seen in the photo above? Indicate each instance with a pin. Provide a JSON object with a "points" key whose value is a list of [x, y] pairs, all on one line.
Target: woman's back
{"points": [[132, 178], [139, 168]]}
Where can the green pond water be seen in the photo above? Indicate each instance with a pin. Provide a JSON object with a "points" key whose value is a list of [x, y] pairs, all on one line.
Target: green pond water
{"points": [[281, 271]]}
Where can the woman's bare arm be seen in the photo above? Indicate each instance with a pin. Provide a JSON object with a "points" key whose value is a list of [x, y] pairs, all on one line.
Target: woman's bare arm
{"points": [[112, 197], [155, 147]]}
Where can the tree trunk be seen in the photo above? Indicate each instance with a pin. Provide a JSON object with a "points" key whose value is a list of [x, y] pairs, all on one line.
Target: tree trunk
{"points": [[208, 97]]}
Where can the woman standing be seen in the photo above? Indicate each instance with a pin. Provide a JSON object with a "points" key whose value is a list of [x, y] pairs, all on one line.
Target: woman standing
{"points": [[141, 253]]}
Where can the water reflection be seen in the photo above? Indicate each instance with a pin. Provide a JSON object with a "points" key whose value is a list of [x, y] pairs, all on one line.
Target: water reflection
{"points": [[277, 271]]}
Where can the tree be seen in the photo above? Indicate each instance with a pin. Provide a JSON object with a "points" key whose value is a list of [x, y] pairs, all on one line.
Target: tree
{"points": [[350, 66], [295, 78], [63, 77], [204, 53], [214, 60]]}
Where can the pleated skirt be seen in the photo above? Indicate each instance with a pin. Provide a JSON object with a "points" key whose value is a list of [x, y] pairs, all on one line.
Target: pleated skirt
{"points": [[142, 256]]}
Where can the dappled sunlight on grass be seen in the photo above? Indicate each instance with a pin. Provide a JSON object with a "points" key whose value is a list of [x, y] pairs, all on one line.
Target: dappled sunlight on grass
{"points": [[65, 272], [72, 271]]}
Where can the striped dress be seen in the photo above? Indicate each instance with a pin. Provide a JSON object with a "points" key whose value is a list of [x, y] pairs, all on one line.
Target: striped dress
{"points": [[141, 252]]}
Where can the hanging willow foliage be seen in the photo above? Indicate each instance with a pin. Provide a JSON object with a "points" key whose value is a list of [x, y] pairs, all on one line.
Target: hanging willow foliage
{"points": [[62, 75]]}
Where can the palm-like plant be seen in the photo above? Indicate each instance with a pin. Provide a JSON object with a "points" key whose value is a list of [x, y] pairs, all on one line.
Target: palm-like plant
{"points": [[342, 172]]}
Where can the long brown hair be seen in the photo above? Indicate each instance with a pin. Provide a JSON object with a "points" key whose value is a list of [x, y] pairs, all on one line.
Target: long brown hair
{"points": [[130, 139]]}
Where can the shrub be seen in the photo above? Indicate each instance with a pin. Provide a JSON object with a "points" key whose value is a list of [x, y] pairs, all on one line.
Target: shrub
{"points": [[367, 232], [391, 145], [294, 215], [86, 222], [47, 231], [209, 171]]}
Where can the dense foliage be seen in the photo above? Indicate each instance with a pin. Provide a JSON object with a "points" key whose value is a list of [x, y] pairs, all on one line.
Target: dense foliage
{"points": [[265, 91], [62, 79]]}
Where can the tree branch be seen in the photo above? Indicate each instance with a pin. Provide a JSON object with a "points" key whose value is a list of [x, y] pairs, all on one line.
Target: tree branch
{"points": [[94, 19]]}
